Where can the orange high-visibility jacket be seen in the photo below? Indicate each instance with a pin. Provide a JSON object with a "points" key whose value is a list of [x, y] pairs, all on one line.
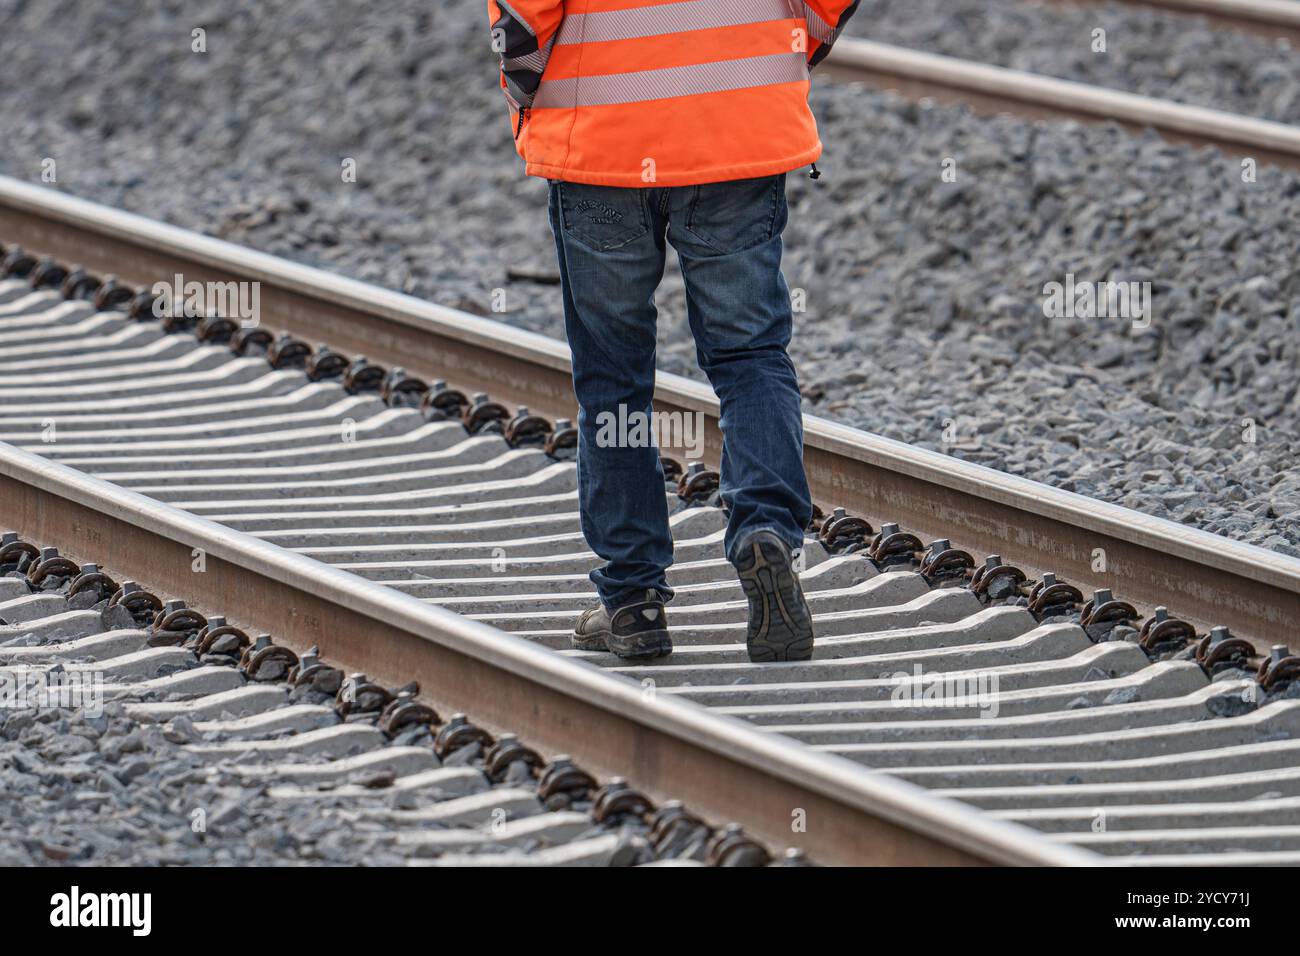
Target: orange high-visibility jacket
{"points": [[663, 92]]}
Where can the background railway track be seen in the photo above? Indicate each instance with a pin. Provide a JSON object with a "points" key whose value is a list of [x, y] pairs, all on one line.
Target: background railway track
{"points": [[897, 263], [1270, 18], [994, 89], [1180, 767]]}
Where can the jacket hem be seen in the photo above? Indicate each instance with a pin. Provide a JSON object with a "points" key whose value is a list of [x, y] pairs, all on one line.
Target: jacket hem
{"points": [[717, 174]]}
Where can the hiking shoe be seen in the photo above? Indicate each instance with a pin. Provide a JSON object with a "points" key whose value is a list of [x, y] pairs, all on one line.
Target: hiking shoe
{"points": [[636, 631], [780, 624]]}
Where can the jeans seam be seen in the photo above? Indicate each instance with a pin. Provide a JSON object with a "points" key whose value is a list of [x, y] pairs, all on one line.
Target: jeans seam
{"points": [[776, 206]]}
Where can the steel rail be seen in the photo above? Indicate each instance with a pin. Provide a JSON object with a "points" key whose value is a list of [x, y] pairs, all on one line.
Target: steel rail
{"points": [[1203, 578], [998, 89], [1273, 18], [668, 747]]}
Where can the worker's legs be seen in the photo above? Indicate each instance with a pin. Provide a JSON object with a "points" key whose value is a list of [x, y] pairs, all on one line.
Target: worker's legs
{"points": [[728, 237], [610, 243]]}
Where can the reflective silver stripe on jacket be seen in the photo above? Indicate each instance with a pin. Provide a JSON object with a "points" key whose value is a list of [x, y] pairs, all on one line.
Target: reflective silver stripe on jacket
{"points": [[674, 81], [668, 18], [535, 61], [818, 29], [522, 72]]}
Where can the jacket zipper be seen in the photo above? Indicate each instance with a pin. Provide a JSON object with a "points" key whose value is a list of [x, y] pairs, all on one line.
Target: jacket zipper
{"points": [[519, 127]]}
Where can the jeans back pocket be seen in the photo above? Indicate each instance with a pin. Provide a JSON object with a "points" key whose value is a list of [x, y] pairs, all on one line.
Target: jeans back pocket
{"points": [[735, 216], [603, 218]]}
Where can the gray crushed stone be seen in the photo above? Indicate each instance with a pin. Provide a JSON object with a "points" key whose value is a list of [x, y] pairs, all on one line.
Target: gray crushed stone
{"points": [[1166, 54], [112, 792], [924, 318], [95, 786]]}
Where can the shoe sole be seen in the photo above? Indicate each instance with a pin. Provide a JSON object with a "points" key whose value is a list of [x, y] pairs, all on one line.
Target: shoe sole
{"points": [[780, 624]]}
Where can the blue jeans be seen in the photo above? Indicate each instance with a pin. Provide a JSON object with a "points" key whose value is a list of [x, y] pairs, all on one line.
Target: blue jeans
{"points": [[610, 242]]}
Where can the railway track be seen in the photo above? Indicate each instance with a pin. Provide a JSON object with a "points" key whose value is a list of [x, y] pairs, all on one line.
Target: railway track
{"points": [[1270, 18], [993, 89], [244, 735], [337, 503]]}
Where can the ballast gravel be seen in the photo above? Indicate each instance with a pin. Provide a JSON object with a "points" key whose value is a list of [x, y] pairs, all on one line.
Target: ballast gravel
{"points": [[87, 782], [1173, 56], [922, 257], [106, 791]]}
